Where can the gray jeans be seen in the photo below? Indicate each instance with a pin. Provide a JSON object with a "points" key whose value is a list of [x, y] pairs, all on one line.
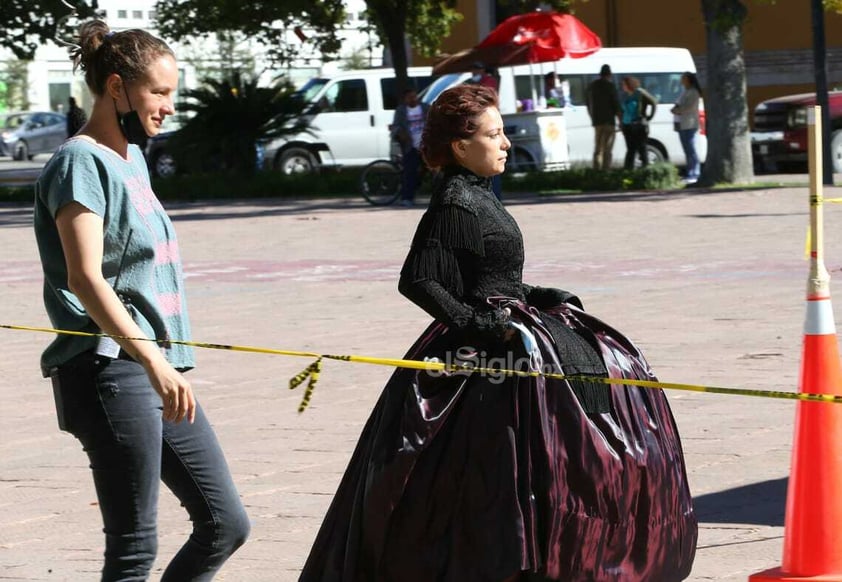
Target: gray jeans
{"points": [[111, 407]]}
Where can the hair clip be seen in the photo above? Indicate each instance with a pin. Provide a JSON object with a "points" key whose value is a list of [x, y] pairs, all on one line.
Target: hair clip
{"points": [[60, 24]]}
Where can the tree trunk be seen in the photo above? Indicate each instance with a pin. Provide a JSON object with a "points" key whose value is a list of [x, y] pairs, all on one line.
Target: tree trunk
{"points": [[729, 142], [393, 24]]}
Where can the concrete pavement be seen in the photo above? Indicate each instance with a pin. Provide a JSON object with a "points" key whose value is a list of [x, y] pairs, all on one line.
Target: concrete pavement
{"points": [[710, 285]]}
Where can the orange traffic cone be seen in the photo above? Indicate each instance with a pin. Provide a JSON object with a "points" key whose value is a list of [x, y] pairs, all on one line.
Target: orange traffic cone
{"points": [[813, 526]]}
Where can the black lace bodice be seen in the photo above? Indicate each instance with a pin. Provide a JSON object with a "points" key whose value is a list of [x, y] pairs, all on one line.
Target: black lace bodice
{"points": [[467, 248]]}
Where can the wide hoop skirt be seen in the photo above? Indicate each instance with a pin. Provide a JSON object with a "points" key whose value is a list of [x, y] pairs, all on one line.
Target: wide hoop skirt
{"points": [[475, 477]]}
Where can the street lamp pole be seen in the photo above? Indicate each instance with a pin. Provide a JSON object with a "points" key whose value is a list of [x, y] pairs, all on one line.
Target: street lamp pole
{"points": [[820, 68]]}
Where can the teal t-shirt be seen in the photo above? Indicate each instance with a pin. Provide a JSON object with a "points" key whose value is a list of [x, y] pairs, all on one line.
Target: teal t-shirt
{"points": [[631, 107], [140, 252]]}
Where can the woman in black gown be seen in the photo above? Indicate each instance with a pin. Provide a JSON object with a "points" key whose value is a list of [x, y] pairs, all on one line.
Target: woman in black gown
{"points": [[485, 477]]}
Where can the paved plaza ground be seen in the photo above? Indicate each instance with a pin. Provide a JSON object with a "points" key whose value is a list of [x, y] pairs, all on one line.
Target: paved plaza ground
{"points": [[711, 285]]}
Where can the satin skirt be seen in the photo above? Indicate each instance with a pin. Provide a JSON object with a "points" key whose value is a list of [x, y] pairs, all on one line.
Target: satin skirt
{"points": [[476, 477]]}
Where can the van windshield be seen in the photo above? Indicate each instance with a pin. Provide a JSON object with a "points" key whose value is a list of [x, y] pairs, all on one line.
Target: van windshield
{"points": [[307, 93], [434, 89]]}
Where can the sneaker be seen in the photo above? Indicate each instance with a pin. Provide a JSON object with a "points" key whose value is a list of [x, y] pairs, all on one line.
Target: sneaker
{"points": [[406, 203]]}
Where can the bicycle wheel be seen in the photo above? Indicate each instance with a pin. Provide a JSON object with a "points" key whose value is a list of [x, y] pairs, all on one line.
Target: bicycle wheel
{"points": [[380, 182]]}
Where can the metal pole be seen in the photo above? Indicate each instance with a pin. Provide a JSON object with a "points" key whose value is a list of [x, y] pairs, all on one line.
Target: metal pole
{"points": [[820, 67]]}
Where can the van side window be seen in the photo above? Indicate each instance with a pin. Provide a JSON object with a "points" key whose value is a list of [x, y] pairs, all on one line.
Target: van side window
{"points": [[665, 86], [345, 96]]}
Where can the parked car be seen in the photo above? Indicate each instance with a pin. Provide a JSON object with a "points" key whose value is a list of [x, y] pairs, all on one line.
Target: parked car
{"points": [[162, 162], [779, 138], [26, 134]]}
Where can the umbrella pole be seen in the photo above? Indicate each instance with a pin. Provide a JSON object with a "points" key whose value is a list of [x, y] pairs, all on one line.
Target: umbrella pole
{"points": [[532, 87]]}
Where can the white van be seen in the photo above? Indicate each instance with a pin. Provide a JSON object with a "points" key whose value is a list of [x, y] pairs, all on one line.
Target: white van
{"points": [[659, 70], [349, 117]]}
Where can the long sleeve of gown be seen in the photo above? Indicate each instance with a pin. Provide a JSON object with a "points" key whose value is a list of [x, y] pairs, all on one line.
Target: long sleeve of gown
{"points": [[440, 267]]}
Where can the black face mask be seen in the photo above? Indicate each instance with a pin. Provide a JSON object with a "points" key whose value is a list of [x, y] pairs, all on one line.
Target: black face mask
{"points": [[130, 124]]}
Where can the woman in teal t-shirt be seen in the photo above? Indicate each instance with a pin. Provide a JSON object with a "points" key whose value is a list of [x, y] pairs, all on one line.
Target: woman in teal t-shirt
{"points": [[638, 107], [111, 264]]}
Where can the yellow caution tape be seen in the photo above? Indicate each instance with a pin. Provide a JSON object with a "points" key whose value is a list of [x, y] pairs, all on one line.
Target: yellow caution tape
{"points": [[311, 372]]}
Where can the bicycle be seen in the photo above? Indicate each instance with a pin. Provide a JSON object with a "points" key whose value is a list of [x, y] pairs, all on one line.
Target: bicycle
{"points": [[380, 181]]}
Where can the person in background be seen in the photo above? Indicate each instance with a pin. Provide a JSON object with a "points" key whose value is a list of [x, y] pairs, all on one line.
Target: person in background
{"points": [[112, 266], [687, 112], [638, 109], [407, 127], [603, 103], [480, 75], [552, 90], [76, 117]]}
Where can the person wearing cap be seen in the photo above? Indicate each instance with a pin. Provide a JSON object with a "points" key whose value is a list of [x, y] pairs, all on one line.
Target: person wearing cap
{"points": [[603, 102]]}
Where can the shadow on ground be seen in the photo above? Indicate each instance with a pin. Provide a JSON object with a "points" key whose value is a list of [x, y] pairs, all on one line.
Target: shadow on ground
{"points": [[758, 503]]}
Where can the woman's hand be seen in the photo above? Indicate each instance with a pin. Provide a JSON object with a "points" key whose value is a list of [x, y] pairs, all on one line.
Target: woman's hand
{"points": [[174, 389]]}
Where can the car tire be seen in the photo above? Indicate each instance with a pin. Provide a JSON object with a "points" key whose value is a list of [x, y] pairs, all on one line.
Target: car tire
{"points": [[296, 161], [654, 154], [836, 151], [21, 151], [164, 166]]}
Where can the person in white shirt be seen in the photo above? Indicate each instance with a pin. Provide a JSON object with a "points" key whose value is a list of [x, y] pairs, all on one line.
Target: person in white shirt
{"points": [[686, 111], [407, 127]]}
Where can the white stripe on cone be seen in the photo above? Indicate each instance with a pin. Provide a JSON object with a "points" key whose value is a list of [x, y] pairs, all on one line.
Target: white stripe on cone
{"points": [[819, 317]]}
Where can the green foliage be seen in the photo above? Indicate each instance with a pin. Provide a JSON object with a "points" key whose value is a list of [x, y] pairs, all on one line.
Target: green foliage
{"points": [[583, 179], [359, 59], [16, 80], [264, 21], [230, 117], [428, 23], [27, 24]]}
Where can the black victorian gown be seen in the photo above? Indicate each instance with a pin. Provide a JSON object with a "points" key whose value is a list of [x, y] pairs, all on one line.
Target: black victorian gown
{"points": [[475, 477]]}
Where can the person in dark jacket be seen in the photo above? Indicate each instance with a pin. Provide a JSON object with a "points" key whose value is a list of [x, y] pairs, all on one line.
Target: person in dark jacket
{"points": [[76, 117], [603, 107]]}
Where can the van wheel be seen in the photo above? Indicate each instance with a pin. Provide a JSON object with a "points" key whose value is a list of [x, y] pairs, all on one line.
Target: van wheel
{"points": [[296, 161], [836, 151], [654, 154]]}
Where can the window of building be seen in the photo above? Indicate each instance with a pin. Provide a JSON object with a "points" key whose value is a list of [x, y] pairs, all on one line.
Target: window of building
{"points": [[122, 14], [152, 15], [137, 14]]}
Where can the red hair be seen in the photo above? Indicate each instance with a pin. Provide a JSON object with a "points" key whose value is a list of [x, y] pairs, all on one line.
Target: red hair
{"points": [[451, 117]]}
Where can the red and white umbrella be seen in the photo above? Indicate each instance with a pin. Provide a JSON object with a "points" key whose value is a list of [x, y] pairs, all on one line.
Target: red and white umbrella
{"points": [[534, 37]]}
